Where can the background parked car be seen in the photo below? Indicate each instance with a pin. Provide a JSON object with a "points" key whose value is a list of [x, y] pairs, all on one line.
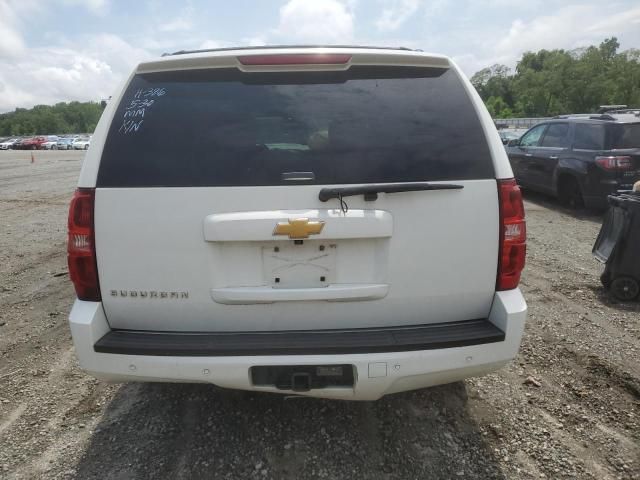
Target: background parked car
{"points": [[7, 143], [20, 144], [51, 143], [508, 134], [17, 145], [65, 143], [580, 159], [81, 143], [33, 143]]}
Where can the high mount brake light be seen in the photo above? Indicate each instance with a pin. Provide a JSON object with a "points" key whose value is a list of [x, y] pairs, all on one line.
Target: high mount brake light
{"points": [[296, 59], [513, 235], [81, 251], [615, 163]]}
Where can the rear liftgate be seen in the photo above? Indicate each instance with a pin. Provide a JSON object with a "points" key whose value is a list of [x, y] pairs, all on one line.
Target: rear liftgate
{"points": [[259, 252]]}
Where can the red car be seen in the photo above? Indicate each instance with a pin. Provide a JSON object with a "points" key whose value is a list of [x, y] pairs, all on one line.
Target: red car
{"points": [[34, 143]]}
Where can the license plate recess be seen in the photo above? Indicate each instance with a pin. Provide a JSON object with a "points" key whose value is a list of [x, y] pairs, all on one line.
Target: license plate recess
{"points": [[302, 377], [301, 264]]}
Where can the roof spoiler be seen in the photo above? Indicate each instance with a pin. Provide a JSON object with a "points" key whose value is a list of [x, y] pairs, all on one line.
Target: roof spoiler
{"points": [[229, 58], [274, 47]]}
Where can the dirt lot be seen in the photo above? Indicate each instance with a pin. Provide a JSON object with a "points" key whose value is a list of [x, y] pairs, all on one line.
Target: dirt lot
{"points": [[568, 407]]}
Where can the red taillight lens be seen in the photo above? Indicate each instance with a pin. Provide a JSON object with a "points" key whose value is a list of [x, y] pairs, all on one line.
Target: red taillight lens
{"points": [[615, 163], [296, 59], [513, 235], [81, 249]]}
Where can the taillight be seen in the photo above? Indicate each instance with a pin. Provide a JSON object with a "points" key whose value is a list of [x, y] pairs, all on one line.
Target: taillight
{"points": [[81, 250], [615, 163], [296, 59], [513, 235]]}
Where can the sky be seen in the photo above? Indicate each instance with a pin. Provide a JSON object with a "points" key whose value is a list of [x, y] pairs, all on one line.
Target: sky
{"points": [[62, 50]]}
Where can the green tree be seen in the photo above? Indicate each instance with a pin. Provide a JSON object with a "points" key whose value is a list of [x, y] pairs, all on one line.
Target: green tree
{"points": [[552, 82], [73, 117], [494, 81]]}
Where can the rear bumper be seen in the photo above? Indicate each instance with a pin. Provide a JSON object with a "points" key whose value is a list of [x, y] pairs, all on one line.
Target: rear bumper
{"points": [[377, 373], [302, 342]]}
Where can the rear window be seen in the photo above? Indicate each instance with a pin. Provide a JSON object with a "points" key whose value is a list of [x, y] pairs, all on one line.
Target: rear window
{"points": [[228, 128], [625, 136]]}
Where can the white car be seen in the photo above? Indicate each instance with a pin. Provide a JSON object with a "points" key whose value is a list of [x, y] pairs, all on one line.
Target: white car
{"points": [[65, 143], [81, 143], [51, 143], [7, 144], [334, 222]]}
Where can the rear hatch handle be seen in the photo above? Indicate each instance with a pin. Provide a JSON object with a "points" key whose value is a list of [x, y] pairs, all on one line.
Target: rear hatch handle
{"points": [[371, 191]]}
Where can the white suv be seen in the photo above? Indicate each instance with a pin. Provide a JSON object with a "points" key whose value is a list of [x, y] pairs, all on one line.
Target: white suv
{"points": [[334, 222]]}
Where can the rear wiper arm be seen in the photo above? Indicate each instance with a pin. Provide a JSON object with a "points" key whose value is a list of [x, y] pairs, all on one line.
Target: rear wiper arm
{"points": [[370, 192]]}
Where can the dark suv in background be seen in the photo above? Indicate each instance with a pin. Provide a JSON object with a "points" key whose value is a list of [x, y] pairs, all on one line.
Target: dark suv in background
{"points": [[579, 158]]}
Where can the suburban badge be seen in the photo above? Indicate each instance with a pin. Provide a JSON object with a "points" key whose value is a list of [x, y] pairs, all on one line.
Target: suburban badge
{"points": [[151, 294]]}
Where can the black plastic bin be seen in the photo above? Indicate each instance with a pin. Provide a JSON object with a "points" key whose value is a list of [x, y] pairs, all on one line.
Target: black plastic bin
{"points": [[618, 246]]}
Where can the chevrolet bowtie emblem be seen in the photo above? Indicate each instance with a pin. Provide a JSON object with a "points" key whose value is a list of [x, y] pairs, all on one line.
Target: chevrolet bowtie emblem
{"points": [[298, 228]]}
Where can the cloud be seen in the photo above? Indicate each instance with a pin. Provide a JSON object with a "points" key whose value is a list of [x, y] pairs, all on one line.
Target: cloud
{"points": [[502, 4], [184, 21], [620, 21], [254, 41], [87, 70], [395, 13], [207, 44], [176, 25], [38, 64], [11, 40], [312, 21], [119, 54], [12, 43], [569, 27], [97, 7], [563, 29], [15, 16]]}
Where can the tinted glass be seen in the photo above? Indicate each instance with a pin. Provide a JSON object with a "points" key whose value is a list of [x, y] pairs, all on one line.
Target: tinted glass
{"points": [[532, 137], [589, 136], [224, 127], [625, 136], [557, 136]]}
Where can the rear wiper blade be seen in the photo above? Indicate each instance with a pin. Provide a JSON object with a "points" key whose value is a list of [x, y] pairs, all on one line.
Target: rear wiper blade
{"points": [[370, 192]]}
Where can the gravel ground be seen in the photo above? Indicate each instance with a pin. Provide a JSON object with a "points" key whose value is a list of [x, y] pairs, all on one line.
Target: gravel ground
{"points": [[568, 407]]}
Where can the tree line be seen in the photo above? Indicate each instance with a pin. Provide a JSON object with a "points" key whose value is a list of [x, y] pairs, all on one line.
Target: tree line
{"points": [[72, 117], [553, 82]]}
